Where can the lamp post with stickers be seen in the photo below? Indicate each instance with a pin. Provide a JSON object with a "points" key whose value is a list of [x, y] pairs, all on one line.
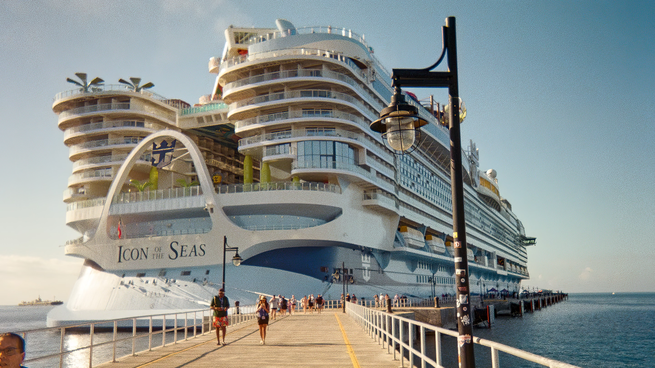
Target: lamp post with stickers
{"points": [[399, 122]]}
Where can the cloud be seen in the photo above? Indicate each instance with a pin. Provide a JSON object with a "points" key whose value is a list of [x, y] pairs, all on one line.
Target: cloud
{"points": [[27, 277], [586, 274]]}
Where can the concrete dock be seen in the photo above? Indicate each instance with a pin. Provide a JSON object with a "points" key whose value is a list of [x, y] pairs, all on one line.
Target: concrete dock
{"points": [[303, 340]]}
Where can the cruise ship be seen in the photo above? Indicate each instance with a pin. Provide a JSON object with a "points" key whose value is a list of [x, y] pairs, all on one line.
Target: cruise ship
{"points": [[278, 160]]}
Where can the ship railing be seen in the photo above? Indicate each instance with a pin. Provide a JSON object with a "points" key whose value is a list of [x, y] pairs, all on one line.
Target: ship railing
{"points": [[310, 73], [153, 195], [407, 339], [302, 114], [309, 132], [307, 93], [106, 88], [110, 125], [294, 52], [281, 185], [91, 344], [117, 106], [204, 108]]}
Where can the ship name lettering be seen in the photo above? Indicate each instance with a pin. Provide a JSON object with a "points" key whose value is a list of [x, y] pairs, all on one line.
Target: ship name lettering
{"points": [[132, 254], [182, 250]]}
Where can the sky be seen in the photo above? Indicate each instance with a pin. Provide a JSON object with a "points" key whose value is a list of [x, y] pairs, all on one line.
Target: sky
{"points": [[560, 98]]}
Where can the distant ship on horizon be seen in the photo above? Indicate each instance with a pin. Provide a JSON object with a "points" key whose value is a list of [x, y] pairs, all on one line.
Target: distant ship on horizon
{"points": [[38, 301]]}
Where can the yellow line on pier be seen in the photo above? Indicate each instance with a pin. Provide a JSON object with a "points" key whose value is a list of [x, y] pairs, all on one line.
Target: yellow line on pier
{"points": [[351, 352]]}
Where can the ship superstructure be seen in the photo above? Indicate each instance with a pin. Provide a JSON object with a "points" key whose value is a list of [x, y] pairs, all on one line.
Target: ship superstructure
{"points": [[281, 161]]}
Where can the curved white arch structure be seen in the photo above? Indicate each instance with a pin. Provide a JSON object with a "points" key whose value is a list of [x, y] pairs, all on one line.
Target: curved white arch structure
{"points": [[101, 237]]}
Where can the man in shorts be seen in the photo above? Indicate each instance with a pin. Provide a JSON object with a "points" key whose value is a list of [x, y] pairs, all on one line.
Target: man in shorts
{"points": [[319, 303], [220, 304], [12, 350]]}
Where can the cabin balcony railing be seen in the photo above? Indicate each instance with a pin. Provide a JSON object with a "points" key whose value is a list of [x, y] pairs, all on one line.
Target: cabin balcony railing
{"points": [[153, 195], [103, 143], [277, 186], [308, 93], [304, 163], [106, 88], [116, 159], [310, 73], [298, 114], [109, 125], [298, 134], [333, 56], [102, 174], [114, 107]]}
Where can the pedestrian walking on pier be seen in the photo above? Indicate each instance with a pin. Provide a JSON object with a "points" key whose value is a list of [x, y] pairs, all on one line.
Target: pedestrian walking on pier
{"points": [[310, 303], [319, 303], [377, 301], [284, 304], [275, 303], [304, 302], [262, 318], [292, 303], [220, 304]]}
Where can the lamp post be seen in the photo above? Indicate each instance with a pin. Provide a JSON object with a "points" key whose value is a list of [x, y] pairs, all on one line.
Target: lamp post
{"points": [[398, 123], [236, 260]]}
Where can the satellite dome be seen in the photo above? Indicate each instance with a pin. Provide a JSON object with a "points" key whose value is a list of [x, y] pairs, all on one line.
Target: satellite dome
{"points": [[491, 173]]}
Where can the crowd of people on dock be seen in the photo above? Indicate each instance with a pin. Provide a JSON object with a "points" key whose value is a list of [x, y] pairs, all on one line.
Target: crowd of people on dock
{"points": [[266, 310]]}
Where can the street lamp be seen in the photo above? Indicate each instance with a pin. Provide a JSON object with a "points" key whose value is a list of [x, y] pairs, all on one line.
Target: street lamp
{"points": [[398, 123], [236, 260]]}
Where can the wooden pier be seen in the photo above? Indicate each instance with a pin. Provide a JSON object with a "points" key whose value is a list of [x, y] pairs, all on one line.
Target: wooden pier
{"points": [[303, 340]]}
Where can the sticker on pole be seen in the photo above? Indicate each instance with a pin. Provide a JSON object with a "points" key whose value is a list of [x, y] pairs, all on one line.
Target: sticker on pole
{"points": [[464, 339]]}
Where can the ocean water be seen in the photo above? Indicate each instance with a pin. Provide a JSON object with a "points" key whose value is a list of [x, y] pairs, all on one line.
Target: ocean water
{"points": [[587, 330]]}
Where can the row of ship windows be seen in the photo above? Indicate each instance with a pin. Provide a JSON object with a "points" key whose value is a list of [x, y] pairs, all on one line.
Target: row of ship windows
{"points": [[422, 181], [426, 266], [438, 279], [162, 273]]}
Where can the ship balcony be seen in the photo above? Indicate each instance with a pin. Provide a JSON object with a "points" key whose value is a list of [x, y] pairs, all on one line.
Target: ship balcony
{"points": [[380, 201], [109, 160], [214, 63], [117, 110], [104, 90], [279, 152], [316, 170], [276, 141], [102, 145], [243, 88], [129, 127], [91, 176], [326, 56], [321, 98], [299, 116], [74, 195], [83, 215]]}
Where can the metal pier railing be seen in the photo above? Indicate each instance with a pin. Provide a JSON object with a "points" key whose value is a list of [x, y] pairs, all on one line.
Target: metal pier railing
{"points": [[406, 339]]}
